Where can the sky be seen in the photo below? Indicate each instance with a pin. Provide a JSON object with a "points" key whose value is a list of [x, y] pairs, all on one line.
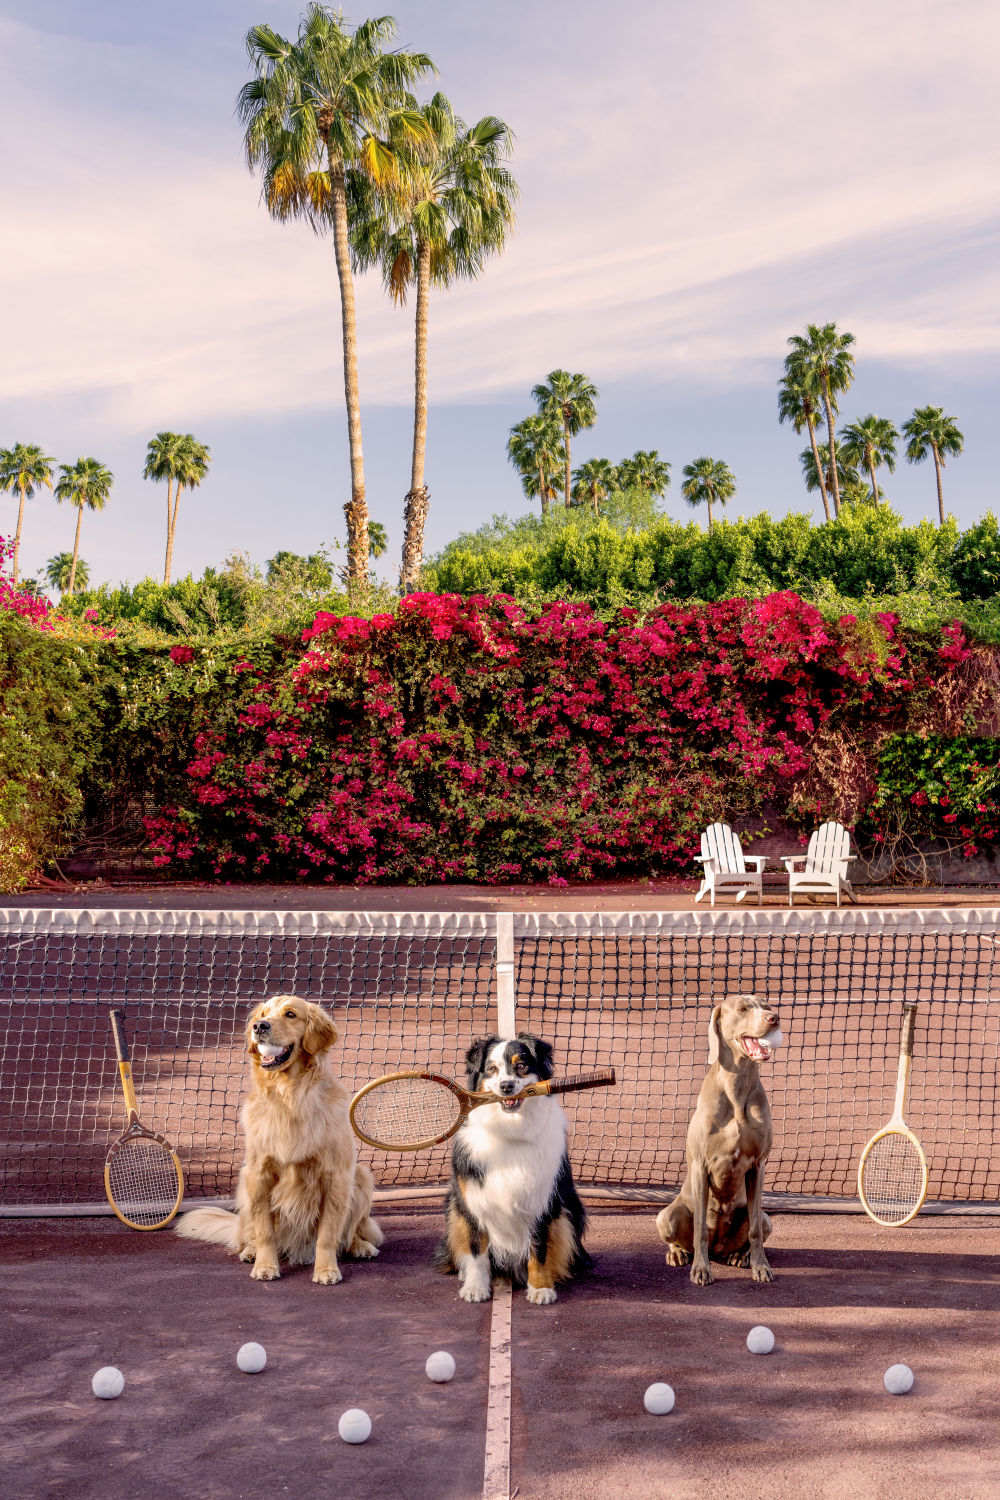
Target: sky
{"points": [[697, 183]]}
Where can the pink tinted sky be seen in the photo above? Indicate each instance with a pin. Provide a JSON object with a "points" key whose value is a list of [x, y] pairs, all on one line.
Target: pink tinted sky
{"points": [[697, 183]]}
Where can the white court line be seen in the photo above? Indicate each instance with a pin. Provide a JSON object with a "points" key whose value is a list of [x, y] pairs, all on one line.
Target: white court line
{"points": [[496, 1469]]}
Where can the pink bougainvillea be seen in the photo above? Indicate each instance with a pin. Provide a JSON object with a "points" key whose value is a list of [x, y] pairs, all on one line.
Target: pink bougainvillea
{"points": [[464, 738]]}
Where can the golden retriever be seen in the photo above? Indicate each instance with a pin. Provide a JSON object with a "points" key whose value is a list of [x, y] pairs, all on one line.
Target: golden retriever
{"points": [[302, 1195]]}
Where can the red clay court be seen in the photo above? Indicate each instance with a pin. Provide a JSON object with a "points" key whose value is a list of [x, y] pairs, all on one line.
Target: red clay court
{"points": [[557, 1411]]}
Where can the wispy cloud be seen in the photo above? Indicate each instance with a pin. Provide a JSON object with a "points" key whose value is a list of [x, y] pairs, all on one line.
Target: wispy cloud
{"points": [[696, 184]]}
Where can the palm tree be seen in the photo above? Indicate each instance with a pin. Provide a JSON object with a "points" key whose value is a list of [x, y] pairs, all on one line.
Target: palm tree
{"points": [[23, 469], [870, 442], [710, 480], [799, 403], [645, 470], [378, 541], [321, 109], [451, 207], [822, 358], [186, 460], [930, 431], [572, 399], [818, 476], [86, 483], [594, 481], [60, 569], [535, 448]]}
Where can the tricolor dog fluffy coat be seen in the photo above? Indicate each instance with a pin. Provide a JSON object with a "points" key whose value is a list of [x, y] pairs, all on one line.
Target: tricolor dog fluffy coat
{"points": [[512, 1207]]}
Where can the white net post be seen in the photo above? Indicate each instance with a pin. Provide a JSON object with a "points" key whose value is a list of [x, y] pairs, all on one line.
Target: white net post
{"points": [[506, 1015]]}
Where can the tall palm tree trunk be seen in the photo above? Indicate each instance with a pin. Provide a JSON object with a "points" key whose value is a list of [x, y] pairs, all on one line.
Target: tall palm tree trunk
{"points": [[168, 552], [356, 510], [937, 475], [871, 471], [168, 560], [566, 439], [17, 533], [834, 477], [418, 500], [543, 489], [76, 551], [710, 510], [819, 466]]}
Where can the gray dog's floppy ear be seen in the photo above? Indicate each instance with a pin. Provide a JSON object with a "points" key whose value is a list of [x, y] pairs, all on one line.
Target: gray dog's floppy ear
{"points": [[320, 1031], [714, 1036]]}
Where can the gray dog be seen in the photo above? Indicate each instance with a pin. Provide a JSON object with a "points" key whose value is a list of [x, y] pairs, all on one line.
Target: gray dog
{"points": [[718, 1213]]}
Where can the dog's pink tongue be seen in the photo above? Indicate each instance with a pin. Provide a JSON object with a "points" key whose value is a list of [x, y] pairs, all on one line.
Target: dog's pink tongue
{"points": [[754, 1048]]}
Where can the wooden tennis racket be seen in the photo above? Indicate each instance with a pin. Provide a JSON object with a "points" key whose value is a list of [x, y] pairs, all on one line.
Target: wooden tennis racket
{"points": [[892, 1173], [411, 1110], [142, 1176]]}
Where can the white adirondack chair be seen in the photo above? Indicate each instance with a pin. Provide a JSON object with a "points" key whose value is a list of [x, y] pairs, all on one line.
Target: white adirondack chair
{"points": [[725, 866], [825, 864]]}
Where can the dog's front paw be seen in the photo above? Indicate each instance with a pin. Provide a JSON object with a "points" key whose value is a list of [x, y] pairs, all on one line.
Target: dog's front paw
{"points": [[265, 1270], [474, 1291], [678, 1256], [761, 1271], [362, 1249], [541, 1296], [701, 1274], [327, 1275]]}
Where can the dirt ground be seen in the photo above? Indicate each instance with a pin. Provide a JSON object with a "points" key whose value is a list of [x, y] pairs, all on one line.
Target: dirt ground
{"points": [[812, 1418], [623, 895]]}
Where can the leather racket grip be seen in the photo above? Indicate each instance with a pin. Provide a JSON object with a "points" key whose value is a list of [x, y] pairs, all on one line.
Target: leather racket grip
{"points": [[118, 1032], [582, 1081]]}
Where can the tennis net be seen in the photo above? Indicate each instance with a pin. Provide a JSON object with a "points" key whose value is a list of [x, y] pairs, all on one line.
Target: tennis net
{"points": [[633, 990]]}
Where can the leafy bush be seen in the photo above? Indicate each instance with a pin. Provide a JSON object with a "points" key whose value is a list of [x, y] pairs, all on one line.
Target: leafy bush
{"points": [[975, 561], [929, 787]]}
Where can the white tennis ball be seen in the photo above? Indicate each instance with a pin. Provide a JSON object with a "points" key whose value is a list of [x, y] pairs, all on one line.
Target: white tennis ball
{"points": [[659, 1398], [108, 1383], [355, 1426], [898, 1379], [252, 1358], [773, 1039], [440, 1366], [760, 1340]]}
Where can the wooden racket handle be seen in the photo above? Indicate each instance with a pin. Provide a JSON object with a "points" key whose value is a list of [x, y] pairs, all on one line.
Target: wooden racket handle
{"points": [[118, 1031], [906, 1030], [582, 1081]]}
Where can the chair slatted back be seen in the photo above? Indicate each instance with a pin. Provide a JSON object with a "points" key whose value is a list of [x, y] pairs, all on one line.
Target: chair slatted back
{"points": [[829, 850], [720, 843]]}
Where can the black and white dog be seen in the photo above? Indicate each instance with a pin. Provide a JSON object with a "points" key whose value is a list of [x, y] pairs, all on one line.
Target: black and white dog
{"points": [[512, 1207]]}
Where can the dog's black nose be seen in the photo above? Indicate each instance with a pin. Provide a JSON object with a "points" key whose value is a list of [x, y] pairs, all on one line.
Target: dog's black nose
{"points": [[260, 1027], [507, 1086]]}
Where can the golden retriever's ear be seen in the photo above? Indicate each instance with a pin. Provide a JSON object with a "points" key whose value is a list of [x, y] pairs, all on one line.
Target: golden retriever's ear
{"points": [[320, 1031], [714, 1036]]}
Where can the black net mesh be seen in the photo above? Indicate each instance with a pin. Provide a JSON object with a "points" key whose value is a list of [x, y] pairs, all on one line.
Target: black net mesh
{"points": [[632, 992]]}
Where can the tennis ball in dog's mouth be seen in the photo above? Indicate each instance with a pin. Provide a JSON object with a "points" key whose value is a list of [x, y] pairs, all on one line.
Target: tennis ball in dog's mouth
{"points": [[773, 1039], [440, 1366], [355, 1426], [659, 1398], [760, 1340], [251, 1358], [108, 1383], [898, 1379]]}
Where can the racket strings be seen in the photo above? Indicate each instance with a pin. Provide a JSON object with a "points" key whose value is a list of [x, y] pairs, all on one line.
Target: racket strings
{"points": [[406, 1112], [143, 1180], [892, 1177]]}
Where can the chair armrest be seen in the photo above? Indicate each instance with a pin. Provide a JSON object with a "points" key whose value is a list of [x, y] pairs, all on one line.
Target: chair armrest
{"points": [[760, 860], [788, 860]]}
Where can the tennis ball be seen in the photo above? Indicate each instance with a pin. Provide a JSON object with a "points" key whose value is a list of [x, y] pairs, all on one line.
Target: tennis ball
{"points": [[659, 1398], [898, 1379], [252, 1358], [760, 1340], [355, 1426], [109, 1383], [773, 1039], [440, 1366]]}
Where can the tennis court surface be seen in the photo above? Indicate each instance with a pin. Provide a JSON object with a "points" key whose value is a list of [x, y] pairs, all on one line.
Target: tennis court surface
{"points": [[812, 1418], [555, 1409]]}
